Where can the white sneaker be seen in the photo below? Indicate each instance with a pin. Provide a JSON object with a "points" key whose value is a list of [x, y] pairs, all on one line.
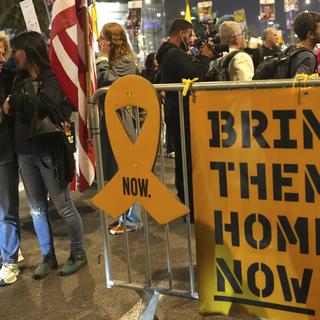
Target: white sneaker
{"points": [[20, 256], [8, 273]]}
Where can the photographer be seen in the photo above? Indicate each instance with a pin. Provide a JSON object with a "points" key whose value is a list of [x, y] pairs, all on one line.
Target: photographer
{"points": [[176, 64]]}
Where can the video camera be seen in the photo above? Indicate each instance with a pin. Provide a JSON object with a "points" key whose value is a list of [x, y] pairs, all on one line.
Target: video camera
{"points": [[207, 34]]}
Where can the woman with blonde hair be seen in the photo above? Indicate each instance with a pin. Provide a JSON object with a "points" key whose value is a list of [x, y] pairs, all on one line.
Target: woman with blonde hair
{"points": [[116, 60], [116, 56], [9, 196]]}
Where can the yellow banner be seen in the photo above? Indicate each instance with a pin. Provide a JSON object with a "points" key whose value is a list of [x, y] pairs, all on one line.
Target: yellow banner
{"points": [[256, 176]]}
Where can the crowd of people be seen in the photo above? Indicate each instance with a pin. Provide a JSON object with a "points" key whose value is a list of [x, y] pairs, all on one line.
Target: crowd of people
{"points": [[31, 94]]}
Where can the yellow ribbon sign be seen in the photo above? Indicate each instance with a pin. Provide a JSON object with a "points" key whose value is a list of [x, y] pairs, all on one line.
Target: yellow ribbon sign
{"points": [[135, 180]]}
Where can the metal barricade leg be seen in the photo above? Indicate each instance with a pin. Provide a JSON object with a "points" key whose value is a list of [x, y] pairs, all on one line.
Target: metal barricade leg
{"points": [[144, 213], [149, 305], [100, 180], [167, 226], [186, 191]]}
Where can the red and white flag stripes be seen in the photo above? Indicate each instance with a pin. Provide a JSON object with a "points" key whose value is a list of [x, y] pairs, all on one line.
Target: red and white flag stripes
{"points": [[70, 64]]}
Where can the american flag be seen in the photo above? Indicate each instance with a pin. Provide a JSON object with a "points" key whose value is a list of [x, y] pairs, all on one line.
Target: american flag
{"points": [[70, 64]]}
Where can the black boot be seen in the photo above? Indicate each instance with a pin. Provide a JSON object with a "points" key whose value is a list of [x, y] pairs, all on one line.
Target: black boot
{"points": [[49, 263], [74, 264]]}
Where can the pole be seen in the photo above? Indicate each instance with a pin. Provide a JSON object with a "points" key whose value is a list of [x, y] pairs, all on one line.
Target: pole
{"points": [[163, 19], [89, 59], [47, 10]]}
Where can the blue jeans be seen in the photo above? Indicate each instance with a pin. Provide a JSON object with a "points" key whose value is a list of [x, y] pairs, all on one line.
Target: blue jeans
{"points": [[133, 216], [38, 176], [9, 212]]}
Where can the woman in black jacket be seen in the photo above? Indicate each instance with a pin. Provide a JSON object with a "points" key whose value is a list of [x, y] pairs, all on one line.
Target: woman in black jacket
{"points": [[151, 70], [37, 91]]}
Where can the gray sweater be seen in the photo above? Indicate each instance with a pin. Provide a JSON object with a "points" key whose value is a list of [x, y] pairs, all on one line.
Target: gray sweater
{"points": [[109, 72], [303, 62]]}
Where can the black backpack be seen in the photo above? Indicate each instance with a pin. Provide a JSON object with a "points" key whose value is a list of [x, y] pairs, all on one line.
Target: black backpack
{"points": [[219, 68], [277, 66]]}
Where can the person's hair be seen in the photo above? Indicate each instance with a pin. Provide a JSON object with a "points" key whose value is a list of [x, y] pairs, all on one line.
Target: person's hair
{"points": [[179, 25], [227, 31], [305, 22], [119, 45], [35, 48], [149, 63], [5, 41], [266, 32]]}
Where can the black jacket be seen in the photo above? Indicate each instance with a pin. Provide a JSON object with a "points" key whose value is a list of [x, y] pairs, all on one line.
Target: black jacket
{"points": [[150, 74], [261, 52], [6, 124], [176, 64], [22, 103]]}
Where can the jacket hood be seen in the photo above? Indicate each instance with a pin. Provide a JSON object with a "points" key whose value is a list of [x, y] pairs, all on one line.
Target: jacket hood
{"points": [[163, 50]]}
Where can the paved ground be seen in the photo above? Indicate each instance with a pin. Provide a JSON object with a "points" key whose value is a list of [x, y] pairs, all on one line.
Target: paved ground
{"points": [[84, 295]]}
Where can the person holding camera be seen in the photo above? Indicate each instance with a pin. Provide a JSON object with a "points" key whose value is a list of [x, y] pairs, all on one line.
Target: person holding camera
{"points": [[176, 64], [37, 91]]}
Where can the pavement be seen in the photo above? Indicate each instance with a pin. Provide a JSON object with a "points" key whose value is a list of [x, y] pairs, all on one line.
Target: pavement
{"points": [[84, 295]]}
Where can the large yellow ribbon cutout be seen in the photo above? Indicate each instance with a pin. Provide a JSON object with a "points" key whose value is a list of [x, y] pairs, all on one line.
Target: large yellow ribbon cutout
{"points": [[135, 180]]}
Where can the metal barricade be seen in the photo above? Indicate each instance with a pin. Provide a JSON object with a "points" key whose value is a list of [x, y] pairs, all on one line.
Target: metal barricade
{"points": [[150, 285]]}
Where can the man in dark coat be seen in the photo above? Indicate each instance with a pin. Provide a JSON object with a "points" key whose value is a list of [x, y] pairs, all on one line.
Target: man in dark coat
{"points": [[176, 64], [269, 48]]}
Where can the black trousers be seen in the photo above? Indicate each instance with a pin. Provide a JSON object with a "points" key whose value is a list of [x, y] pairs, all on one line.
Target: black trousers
{"points": [[172, 120]]}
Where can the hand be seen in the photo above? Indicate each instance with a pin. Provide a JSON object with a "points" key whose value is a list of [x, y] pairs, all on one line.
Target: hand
{"points": [[105, 47], [66, 126], [6, 106], [207, 51]]}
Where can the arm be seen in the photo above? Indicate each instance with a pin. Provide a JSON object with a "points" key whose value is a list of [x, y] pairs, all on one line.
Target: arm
{"points": [[108, 73], [47, 99], [182, 63], [105, 74]]}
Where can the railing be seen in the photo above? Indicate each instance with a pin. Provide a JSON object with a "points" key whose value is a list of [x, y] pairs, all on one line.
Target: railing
{"points": [[150, 285]]}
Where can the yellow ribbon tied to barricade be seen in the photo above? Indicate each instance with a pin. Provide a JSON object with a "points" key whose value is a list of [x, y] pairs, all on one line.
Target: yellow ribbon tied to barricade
{"points": [[135, 180], [305, 77], [187, 83]]}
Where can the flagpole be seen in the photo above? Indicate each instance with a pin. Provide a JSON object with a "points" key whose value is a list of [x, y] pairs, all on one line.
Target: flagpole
{"points": [[47, 11], [88, 54]]}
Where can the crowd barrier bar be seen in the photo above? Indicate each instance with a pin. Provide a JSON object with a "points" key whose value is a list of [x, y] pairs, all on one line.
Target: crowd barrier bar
{"points": [[95, 129]]}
